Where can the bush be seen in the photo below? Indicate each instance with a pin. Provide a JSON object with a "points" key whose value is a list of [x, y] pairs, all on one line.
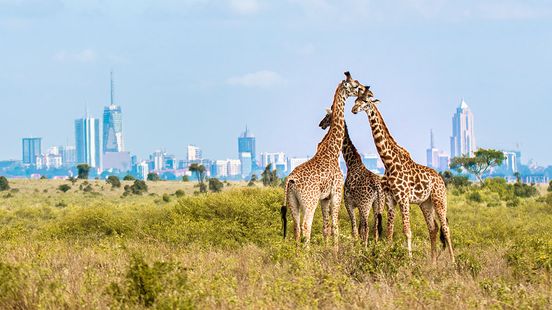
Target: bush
{"points": [[138, 188], [179, 193], [43, 177], [129, 177], [550, 186], [152, 176], [475, 196], [83, 170], [4, 184], [524, 190], [64, 188], [215, 185], [166, 197], [185, 178], [114, 181]]}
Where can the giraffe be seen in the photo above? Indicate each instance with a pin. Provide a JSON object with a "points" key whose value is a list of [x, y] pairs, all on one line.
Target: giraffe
{"points": [[320, 179], [407, 181], [363, 188]]}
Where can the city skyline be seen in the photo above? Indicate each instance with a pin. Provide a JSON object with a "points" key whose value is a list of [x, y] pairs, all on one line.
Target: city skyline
{"points": [[193, 73]]}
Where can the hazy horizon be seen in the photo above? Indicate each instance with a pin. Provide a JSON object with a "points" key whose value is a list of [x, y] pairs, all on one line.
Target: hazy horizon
{"points": [[196, 72]]}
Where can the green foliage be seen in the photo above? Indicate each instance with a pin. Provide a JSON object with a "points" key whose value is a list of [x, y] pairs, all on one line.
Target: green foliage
{"points": [[166, 197], [4, 184], [83, 171], [152, 176], [43, 177], [475, 196], [185, 178], [482, 160], [179, 193], [549, 186], [215, 185], [199, 171], [64, 188], [129, 177], [73, 180], [137, 188], [114, 181], [466, 262], [269, 176], [10, 286]]}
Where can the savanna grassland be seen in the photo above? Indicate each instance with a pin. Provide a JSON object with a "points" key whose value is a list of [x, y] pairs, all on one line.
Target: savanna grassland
{"points": [[93, 247]]}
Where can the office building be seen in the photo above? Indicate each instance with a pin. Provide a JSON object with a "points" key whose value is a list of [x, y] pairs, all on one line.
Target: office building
{"points": [[87, 141], [246, 144], [31, 149], [193, 154], [112, 125], [462, 142]]}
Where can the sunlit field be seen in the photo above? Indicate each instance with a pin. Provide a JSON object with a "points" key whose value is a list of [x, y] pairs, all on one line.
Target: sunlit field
{"points": [[100, 249]]}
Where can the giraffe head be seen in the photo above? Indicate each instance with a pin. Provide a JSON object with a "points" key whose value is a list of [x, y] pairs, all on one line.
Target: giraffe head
{"points": [[365, 101], [350, 86], [327, 120]]}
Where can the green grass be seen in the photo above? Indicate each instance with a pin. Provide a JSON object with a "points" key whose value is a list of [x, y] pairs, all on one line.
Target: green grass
{"points": [[102, 250]]}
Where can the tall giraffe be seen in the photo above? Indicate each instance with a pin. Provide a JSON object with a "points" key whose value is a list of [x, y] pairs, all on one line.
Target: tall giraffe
{"points": [[363, 188], [320, 179], [407, 181]]}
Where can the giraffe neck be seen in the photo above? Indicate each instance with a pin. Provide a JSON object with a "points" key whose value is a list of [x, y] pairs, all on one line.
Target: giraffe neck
{"points": [[350, 153], [387, 147], [330, 146]]}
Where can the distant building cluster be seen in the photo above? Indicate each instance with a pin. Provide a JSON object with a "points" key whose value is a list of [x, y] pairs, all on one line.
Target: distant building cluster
{"points": [[101, 146]]}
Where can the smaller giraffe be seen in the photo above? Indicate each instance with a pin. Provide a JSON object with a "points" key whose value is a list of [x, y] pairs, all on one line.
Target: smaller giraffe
{"points": [[363, 188]]}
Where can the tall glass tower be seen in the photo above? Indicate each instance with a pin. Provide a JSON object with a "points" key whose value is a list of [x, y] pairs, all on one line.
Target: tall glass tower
{"points": [[87, 141], [112, 126], [31, 149], [246, 144], [462, 141]]}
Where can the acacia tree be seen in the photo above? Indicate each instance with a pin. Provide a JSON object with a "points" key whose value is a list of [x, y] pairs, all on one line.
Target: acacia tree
{"points": [[269, 176], [483, 160], [83, 170], [199, 171]]}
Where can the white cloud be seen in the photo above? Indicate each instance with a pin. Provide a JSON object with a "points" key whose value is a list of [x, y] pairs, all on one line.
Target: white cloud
{"points": [[244, 7], [263, 78], [86, 55]]}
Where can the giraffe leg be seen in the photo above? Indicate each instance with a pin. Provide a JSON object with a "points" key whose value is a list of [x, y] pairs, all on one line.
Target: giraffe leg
{"points": [[295, 207], [429, 216], [440, 205], [349, 205], [310, 207], [379, 204], [364, 212], [325, 206], [390, 218], [405, 210], [335, 205]]}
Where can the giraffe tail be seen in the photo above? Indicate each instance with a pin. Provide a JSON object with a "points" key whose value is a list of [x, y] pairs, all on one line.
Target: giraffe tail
{"points": [[442, 235], [380, 225], [283, 209], [380, 207]]}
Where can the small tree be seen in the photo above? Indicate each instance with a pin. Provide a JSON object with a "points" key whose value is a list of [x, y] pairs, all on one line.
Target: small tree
{"points": [[83, 170], [518, 177], [185, 178], [270, 176], [550, 186], [252, 180], [152, 176], [4, 184], [43, 177], [114, 181], [215, 185], [129, 177], [138, 188], [477, 165], [64, 188]]}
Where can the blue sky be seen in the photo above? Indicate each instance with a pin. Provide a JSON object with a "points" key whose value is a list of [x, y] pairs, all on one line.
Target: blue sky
{"points": [[197, 71]]}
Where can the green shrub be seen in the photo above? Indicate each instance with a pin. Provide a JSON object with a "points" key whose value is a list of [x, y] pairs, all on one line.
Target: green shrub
{"points": [[179, 193], [10, 286], [64, 188], [468, 263], [475, 196], [524, 190], [215, 185], [129, 177], [185, 178], [114, 181], [549, 186], [138, 188], [4, 184], [152, 176], [166, 198]]}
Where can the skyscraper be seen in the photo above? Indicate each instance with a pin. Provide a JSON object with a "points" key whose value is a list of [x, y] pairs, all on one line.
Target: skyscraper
{"points": [[31, 149], [112, 126], [462, 141], [193, 154], [87, 141], [246, 144], [432, 153]]}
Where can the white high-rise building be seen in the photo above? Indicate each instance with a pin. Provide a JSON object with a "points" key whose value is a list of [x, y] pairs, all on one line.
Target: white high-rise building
{"points": [[292, 163], [193, 154], [462, 141], [87, 138], [234, 167], [276, 159]]}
